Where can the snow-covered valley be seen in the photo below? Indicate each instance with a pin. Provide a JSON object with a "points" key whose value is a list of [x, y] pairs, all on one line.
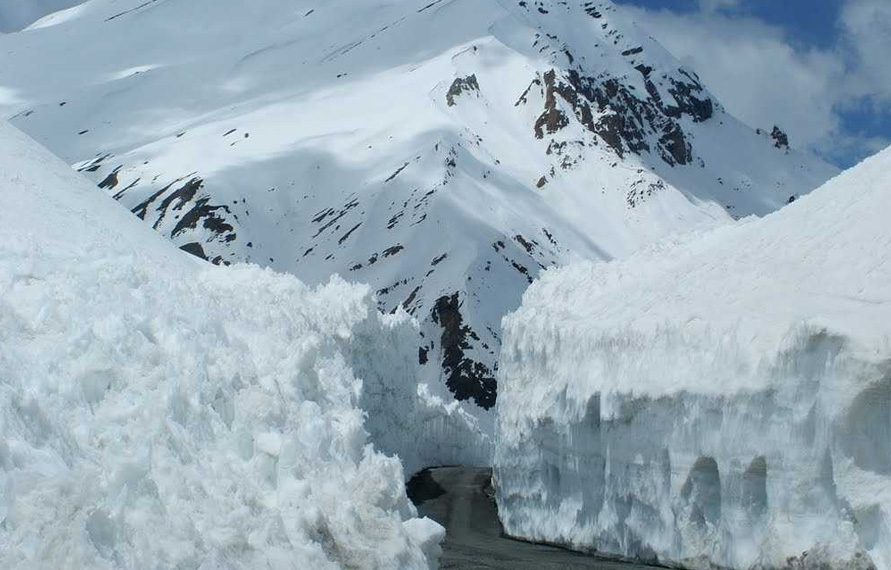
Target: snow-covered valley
{"points": [[443, 152]]}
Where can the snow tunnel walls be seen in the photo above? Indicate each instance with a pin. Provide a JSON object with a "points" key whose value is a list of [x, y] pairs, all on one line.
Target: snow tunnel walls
{"points": [[795, 473], [403, 416]]}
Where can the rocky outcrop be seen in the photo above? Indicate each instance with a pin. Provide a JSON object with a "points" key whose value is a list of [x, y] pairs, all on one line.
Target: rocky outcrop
{"points": [[625, 121]]}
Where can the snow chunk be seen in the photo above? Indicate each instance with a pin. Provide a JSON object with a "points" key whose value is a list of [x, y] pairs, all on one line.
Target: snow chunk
{"points": [[159, 412], [723, 400]]}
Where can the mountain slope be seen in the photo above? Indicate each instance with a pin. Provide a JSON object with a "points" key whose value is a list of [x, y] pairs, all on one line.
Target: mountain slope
{"points": [[443, 151], [15, 14], [723, 401]]}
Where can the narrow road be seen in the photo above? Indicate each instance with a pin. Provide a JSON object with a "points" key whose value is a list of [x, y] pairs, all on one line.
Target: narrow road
{"points": [[460, 499]]}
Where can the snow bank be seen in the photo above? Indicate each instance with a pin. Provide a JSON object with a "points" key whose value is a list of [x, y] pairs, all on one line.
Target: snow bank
{"points": [[158, 412], [723, 401]]}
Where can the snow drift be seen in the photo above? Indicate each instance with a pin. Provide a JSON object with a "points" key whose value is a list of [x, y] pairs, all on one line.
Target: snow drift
{"points": [[160, 412], [722, 401]]}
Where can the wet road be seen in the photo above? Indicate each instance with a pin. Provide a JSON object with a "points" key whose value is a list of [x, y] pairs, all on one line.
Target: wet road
{"points": [[460, 498]]}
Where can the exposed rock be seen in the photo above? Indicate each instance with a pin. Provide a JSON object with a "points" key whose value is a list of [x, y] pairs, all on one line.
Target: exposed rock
{"points": [[110, 181], [780, 139], [461, 85], [195, 249], [466, 378]]}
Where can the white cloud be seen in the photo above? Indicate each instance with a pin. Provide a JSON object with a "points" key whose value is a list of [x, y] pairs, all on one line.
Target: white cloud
{"points": [[753, 71], [866, 42], [712, 5], [762, 78]]}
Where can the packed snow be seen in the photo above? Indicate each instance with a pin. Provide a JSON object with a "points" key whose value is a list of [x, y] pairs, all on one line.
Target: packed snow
{"points": [[724, 399], [160, 412], [444, 152]]}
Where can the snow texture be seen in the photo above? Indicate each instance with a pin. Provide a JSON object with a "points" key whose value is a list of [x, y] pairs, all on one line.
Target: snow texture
{"points": [[160, 412], [721, 400], [444, 152]]}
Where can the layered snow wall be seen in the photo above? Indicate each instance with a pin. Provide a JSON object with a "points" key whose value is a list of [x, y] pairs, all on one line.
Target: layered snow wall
{"points": [[725, 401], [159, 412]]}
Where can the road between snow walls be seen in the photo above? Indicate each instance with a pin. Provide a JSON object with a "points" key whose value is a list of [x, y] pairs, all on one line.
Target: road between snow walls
{"points": [[442, 152], [462, 500]]}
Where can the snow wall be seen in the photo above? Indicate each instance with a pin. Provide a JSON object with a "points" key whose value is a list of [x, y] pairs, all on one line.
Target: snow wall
{"points": [[720, 401], [159, 412]]}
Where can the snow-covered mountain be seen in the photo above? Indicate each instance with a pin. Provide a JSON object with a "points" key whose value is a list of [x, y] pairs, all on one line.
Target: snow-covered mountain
{"points": [[443, 151], [159, 412], [720, 402]]}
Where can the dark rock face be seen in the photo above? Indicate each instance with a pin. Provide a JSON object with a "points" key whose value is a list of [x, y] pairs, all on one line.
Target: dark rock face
{"points": [[465, 378], [194, 248], [459, 86], [191, 211], [626, 121], [780, 139], [202, 212], [641, 190], [110, 181], [690, 100], [553, 119]]}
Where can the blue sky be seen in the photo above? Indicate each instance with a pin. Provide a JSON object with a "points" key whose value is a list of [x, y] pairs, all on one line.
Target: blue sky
{"points": [[817, 68]]}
